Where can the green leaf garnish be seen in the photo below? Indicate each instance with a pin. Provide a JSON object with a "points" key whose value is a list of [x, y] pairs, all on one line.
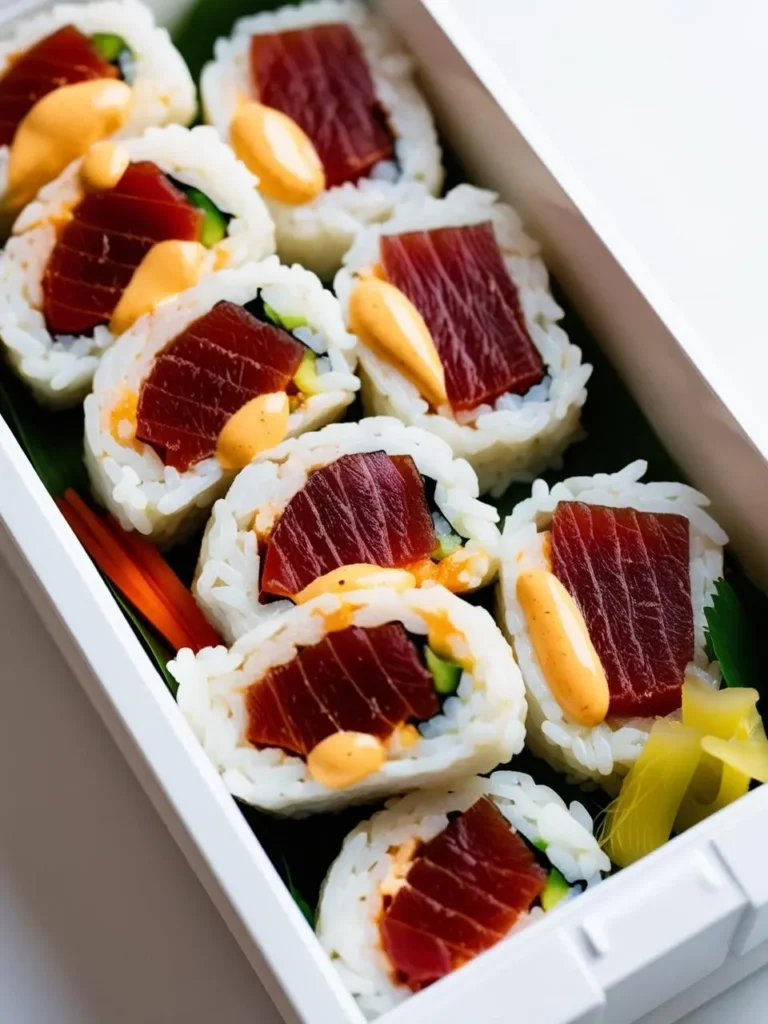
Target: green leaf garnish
{"points": [[289, 323], [447, 543], [298, 899], [731, 638]]}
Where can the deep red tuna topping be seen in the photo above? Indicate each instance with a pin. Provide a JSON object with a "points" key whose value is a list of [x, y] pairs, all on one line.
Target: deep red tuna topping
{"points": [[213, 368], [462, 894], [629, 573], [457, 280], [319, 77], [62, 58], [363, 680], [361, 508], [108, 236]]}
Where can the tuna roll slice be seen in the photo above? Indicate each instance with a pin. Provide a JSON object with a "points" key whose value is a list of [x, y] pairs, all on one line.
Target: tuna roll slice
{"points": [[352, 697], [457, 280], [331, 97], [369, 508], [352, 506], [436, 878], [629, 573], [75, 74], [459, 333], [218, 364], [64, 57], [121, 232], [327, 83], [628, 568], [188, 396], [360, 680], [100, 248]]}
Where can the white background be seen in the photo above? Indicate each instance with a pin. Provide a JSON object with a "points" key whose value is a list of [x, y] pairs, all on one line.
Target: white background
{"points": [[101, 920]]}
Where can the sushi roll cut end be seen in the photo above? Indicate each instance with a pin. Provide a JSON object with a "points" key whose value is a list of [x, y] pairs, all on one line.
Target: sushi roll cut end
{"points": [[313, 131], [438, 877], [345, 699], [319, 101], [604, 583], [459, 333], [73, 76]]}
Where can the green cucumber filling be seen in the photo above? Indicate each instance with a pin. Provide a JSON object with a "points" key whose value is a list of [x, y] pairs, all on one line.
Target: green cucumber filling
{"points": [[289, 323], [306, 377], [446, 674], [555, 890], [213, 226], [115, 50], [447, 543]]}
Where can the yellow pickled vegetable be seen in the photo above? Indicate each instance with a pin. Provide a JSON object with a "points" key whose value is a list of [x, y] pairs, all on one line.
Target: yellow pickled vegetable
{"points": [[734, 748], [641, 818], [716, 712]]}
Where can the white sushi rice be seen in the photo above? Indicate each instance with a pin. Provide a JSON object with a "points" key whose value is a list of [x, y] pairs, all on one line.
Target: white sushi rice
{"points": [[318, 233], [479, 727], [163, 90], [60, 372], [380, 850], [130, 478], [606, 752], [519, 435], [227, 582]]}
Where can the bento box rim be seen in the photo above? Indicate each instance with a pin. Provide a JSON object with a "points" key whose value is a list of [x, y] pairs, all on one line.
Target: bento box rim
{"points": [[210, 818], [214, 828]]}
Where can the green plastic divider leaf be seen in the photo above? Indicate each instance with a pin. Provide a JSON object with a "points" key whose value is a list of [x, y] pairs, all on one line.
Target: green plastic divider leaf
{"points": [[732, 638]]}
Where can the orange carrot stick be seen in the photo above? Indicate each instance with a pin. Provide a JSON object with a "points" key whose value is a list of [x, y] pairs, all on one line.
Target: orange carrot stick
{"points": [[125, 577], [168, 583], [112, 534], [107, 546]]}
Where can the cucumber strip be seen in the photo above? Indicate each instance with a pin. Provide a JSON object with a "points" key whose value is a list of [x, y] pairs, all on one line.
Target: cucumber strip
{"points": [[109, 46], [306, 377], [555, 890], [290, 323], [213, 227], [447, 543], [446, 674]]}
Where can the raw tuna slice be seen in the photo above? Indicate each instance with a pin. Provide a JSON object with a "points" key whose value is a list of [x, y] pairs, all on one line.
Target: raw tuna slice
{"points": [[213, 368], [364, 680], [463, 893], [360, 508], [109, 235], [63, 58], [457, 280], [629, 573], [319, 77]]}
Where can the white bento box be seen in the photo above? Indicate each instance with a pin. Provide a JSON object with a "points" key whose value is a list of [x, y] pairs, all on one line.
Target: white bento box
{"points": [[693, 914]]}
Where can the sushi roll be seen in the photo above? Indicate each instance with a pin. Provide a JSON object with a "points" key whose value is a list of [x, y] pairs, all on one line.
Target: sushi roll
{"points": [[438, 877], [349, 698], [319, 100], [460, 334], [194, 390], [79, 73], [603, 586], [386, 495], [123, 229]]}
